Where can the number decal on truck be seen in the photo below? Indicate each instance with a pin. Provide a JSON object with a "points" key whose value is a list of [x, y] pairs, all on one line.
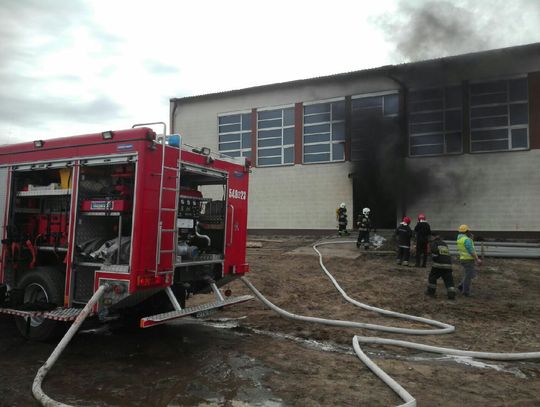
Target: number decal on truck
{"points": [[236, 194]]}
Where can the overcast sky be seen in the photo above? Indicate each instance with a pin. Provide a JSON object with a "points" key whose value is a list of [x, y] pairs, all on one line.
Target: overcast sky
{"points": [[78, 66]]}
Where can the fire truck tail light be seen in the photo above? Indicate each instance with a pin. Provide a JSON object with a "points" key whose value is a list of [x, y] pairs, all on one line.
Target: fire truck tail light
{"points": [[228, 293], [147, 281]]}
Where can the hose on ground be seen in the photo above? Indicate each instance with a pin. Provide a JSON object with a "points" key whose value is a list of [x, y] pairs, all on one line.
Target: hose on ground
{"points": [[443, 328], [37, 391]]}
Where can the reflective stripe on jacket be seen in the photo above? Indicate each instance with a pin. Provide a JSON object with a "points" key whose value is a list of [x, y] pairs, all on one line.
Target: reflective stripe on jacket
{"points": [[465, 246]]}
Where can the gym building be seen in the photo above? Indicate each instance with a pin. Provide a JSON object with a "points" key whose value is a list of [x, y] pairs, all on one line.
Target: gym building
{"points": [[455, 138]]}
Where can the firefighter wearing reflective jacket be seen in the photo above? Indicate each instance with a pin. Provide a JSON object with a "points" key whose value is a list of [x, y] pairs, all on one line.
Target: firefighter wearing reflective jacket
{"points": [[364, 227], [422, 231], [341, 215], [441, 268], [403, 236]]}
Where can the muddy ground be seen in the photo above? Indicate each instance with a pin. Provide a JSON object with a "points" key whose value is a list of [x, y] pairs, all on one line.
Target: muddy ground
{"points": [[250, 356]]}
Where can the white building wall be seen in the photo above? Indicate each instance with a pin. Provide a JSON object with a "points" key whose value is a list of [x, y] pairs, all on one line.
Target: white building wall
{"points": [[488, 192], [285, 197]]}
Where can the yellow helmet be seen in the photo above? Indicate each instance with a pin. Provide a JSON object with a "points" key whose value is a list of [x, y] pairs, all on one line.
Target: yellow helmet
{"points": [[463, 229]]}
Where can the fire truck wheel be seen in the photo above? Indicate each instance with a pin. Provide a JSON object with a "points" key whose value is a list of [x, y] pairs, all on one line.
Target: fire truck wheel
{"points": [[43, 285]]}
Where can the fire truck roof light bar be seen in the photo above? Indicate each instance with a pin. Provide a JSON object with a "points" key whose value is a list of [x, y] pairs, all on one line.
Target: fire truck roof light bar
{"points": [[38, 143]]}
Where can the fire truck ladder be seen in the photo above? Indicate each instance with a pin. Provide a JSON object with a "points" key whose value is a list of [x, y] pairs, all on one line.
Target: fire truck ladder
{"points": [[165, 191]]}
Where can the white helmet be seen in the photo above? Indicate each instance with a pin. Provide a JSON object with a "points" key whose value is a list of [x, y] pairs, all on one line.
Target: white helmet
{"points": [[342, 205], [366, 211]]}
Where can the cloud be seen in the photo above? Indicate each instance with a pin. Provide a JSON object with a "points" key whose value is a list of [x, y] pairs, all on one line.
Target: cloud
{"points": [[157, 68]]}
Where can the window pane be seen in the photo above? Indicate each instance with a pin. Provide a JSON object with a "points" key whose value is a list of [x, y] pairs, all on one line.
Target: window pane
{"points": [[317, 148], [488, 87], [391, 104], [288, 137], [338, 151], [489, 145], [265, 124], [246, 140], [362, 103], [235, 118], [519, 138], [269, 142], [225, 138], [338, 111], [288, 155], [489, 122], [318, 108], [268, 152], [488, 99], [501, 110], [453, 97], [226, 128], [338, 131], [262, 161], [428, 139], [229, 146], [269, 133], [427, 150], [317, 118], [233, 153], [246, 154], [269, 114], [426, 94], [489, 134], [518, 89], [313, 158], [426, 105], [316, 138], [246, 121], [317, 128], [426, 117], [426, 128], [452, 120], [453, 143], [519, 114], [288, 117]]}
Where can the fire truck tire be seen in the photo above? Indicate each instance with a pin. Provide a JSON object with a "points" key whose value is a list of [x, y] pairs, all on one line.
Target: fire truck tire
{"points": [[45, 284]]}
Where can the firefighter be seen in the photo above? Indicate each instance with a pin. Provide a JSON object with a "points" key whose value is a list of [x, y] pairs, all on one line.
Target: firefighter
{"points": [[468, 258], [440, 268], [364, 227], [422, 231], [403, 236], [341, 215]]}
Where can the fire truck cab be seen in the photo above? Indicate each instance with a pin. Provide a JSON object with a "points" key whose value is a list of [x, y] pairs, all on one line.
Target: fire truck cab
{"points": [[150, 218]]}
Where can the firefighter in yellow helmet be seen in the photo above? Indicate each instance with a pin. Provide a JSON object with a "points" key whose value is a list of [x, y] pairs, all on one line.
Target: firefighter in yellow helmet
{"points": [[468, 258]]}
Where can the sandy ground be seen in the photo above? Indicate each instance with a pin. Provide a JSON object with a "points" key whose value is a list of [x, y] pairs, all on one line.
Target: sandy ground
{"points": [[250, 356]]}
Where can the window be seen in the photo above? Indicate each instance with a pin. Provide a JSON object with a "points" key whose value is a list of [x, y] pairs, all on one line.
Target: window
{"points": [[435, 121], [499, 115], [324, 132], [235, 135], [275, 137]]}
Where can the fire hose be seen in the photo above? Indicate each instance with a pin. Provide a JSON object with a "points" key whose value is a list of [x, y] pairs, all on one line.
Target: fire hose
{"points": [[43, 370], [443, 328]]}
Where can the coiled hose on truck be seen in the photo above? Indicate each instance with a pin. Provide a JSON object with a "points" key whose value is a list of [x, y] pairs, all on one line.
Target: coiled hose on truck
{"points": [[441, 328]]}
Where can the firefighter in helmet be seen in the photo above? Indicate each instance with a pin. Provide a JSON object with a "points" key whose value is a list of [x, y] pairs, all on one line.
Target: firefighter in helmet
{"points": [[423, 232], [364, 227], [341, 215], [440, 268], [403, 236]]}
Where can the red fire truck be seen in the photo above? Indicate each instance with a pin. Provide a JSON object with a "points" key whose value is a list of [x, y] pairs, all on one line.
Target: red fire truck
{"points": [[152, 219]]}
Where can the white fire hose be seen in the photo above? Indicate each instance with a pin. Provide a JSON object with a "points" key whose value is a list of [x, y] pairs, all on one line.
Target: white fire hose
{"points": [[43, 370], [443, 328]]}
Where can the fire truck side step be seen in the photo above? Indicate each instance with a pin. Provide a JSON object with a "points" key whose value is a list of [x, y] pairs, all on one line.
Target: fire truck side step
{"points": [[58, 314], [197, 311]]}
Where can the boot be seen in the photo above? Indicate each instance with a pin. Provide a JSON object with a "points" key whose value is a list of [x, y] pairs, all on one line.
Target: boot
{"points": [[431, 291], [398, 262], [406, 263], [451, 293]]}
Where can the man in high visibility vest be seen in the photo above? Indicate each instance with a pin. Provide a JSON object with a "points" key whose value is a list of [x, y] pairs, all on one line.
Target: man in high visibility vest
{"points": [[468, 258]]}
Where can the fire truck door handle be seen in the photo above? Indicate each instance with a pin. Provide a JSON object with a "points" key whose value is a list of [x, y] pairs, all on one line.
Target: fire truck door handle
{"points": [[232, 225]]}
